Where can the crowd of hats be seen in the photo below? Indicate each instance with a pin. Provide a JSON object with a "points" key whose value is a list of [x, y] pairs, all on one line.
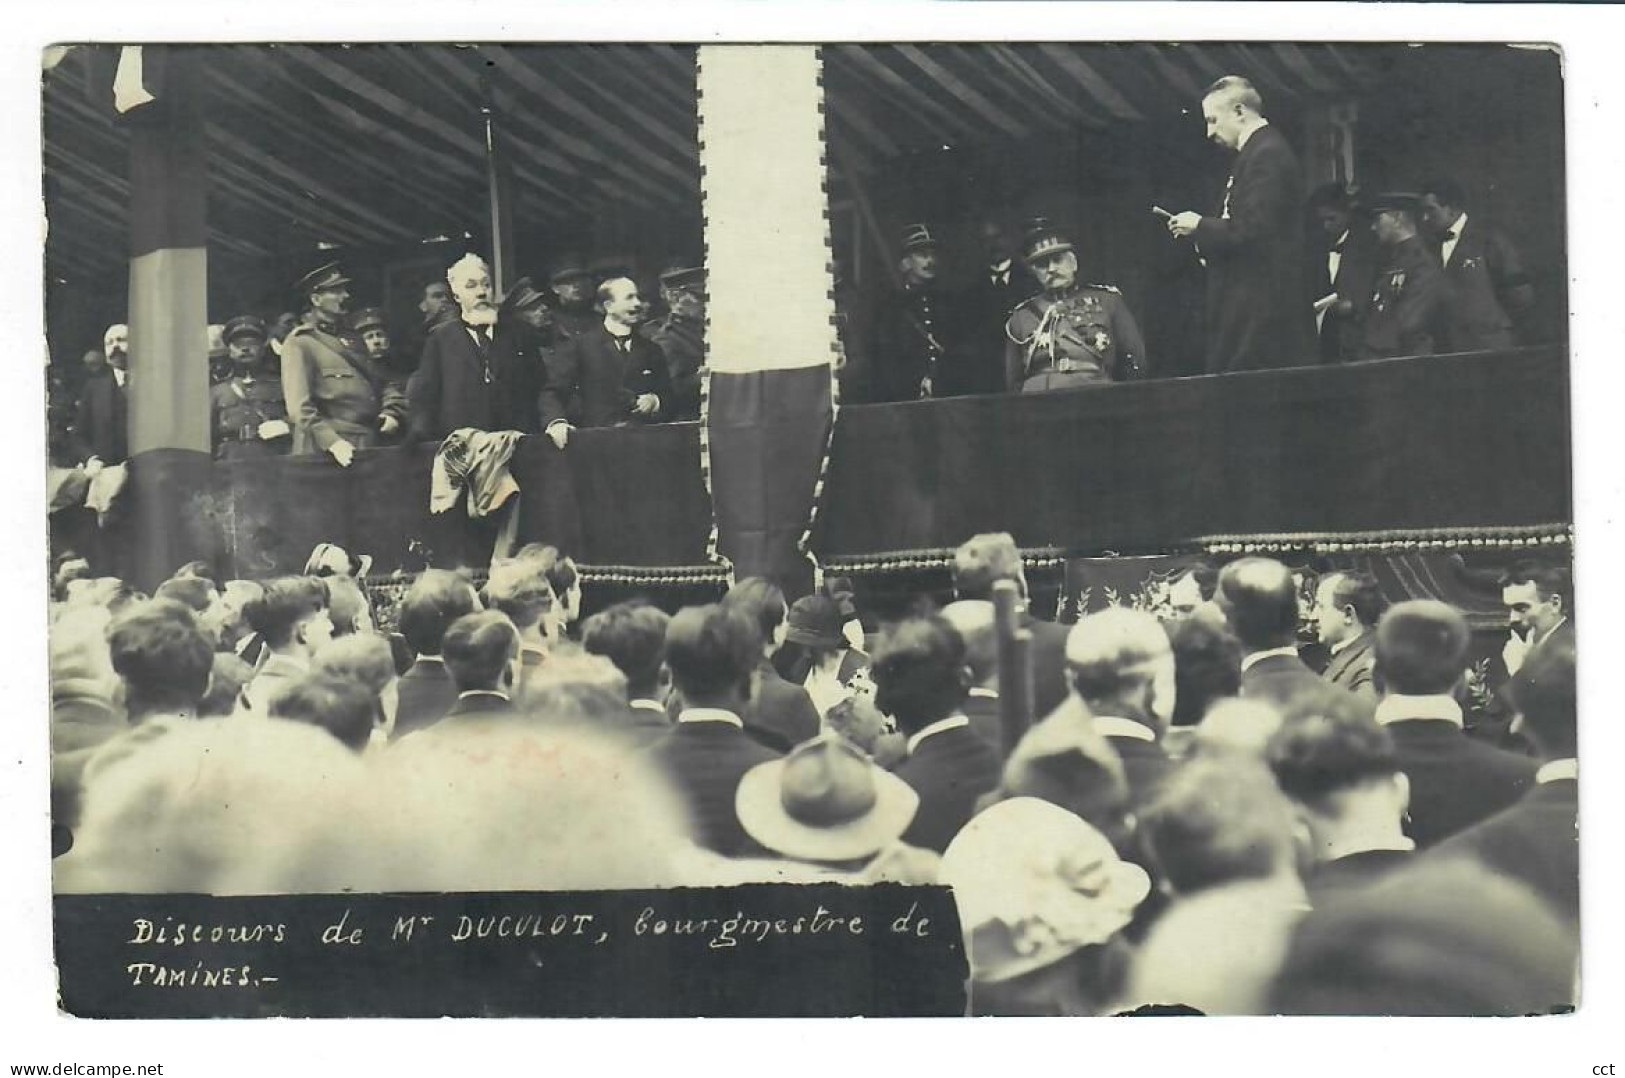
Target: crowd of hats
{"points": [[239, 737]]}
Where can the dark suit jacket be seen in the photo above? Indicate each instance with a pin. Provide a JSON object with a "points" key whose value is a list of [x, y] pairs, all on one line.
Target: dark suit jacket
{"points": [[950, 770], [1330, 880], [983, 713], [1353, 667], [450, 389], [1146, 765], [976, 362], [100, 426], [1340, 328], [1536, 842], [1287, 683], [705, 761], [1487, 287], [426, 695], [590, 383], [782, 709], [1456, 781], [474, 711], [1050, 687], [1259, 311]]}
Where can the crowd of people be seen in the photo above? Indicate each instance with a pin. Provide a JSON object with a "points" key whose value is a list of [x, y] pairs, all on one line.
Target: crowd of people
{"points": [[1190, 816], [1293, 277]]}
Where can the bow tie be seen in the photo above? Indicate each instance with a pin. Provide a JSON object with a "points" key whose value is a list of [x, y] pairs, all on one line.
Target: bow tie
{"points": [[1338, 246]]}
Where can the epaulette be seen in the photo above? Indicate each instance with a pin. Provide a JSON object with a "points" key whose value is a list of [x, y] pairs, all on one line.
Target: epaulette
{"points": [[1113, 289], [303, 327]]}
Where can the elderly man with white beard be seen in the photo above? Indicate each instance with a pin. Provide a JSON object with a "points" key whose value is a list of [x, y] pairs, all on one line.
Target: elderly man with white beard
{"points": [[470, 374]]}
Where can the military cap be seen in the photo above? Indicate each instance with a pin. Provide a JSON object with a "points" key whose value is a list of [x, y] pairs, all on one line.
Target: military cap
{"points": [[369, 318], [1043, 239], [918, 238], [522, 296], [245, 325], [1404, 201], [321, 279], [683, 279], [568, 267]]}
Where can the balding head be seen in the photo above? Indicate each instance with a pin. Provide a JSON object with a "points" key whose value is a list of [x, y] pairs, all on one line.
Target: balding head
{"points": [[984, 560], [974, 620], [1421, 648], [1260, 601], [1231, 108], [1121, 663]]}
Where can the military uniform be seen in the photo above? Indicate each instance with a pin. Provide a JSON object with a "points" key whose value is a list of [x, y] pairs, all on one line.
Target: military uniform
{"points": [[571, 322], [239, 405], [334, 391], [683, 342], [1409, 309], [1087, 335]]}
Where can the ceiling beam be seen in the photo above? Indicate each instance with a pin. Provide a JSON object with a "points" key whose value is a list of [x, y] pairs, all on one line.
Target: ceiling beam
{"points": [[963, 92], [1071, 61]]}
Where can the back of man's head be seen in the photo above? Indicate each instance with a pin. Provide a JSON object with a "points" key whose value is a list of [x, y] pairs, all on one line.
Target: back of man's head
{"points": [[920, 673], [193, 592], [341, 706], [973, 618], [518, 587], [1421, 648], [761, 600], [1543, 691], [434, 601], [1118, 655], [1260, 601], [282, 606], [712, 651], [1319, 757], [1218, 821], [633, 637], [1207, 667], [362, 657], [984, 560], [479, 650], [162, 655]]}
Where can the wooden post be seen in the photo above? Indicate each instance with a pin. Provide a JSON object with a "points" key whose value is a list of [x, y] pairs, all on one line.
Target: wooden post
{"points": [[499, 193]]}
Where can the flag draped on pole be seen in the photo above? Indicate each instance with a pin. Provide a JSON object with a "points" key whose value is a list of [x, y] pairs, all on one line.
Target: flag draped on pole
{"points": [[769, 404]]}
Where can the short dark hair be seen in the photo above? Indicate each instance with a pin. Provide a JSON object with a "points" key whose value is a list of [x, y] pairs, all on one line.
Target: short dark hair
{"points": [[477, 648], [712, 650], [1207, 668], [190, 591], [1237, 88], [1543, 691], [559, 568], [435, 600], [919, 672], [346, 601], [762, 602], [283, 604], [365, 658], [162, 655], [1319, 755], [340, 705], [1217, 821], [982, 561], [633, 637], [1260, 602], [1548, 579], [1361, 591], [1447, 191], [1421, 648]]}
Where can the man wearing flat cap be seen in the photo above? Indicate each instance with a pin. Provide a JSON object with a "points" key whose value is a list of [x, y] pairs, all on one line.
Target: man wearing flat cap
{"points": [[1409, 309], [249, 414], [910, 332], [1069, 335], [571, 284], [373, 328], [680, 333], [339, 399]]}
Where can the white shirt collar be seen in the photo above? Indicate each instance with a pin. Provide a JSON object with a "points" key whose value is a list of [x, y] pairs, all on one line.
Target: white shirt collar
{"points": [[427, 658], [1241, 143], [1397, 707], [1249, 661], [1343, 645], [952, 722], [647, 705], [710, 714], [616, 330], [1448, 248], [484, 692], [1556, 770], [1350, 844], [983, 691], [1116, 726]]}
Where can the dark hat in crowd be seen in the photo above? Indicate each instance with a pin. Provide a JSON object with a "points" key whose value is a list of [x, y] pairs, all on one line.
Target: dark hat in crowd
{"points": [[816, 621], [1405, 201], [1042, 239], [569, 267], [523, 296], [826, 801], [615, 264], [918, 238], [683, 279], [370, 318], [321, 279], [245, 325]]}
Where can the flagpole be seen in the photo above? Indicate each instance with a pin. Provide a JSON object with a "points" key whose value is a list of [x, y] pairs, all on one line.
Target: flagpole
{"points": [[499, 191]]}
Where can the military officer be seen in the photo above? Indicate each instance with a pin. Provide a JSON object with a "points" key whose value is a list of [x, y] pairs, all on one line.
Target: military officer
{"points": [[680, 333], [369, 323], [1069, 334], [910, 335], [339, 399], [250, 417], [1409, 310], [573, 313]]}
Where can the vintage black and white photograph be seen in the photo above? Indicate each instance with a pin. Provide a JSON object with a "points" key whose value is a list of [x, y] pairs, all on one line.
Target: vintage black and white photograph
{"points": [[911, 528]]}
